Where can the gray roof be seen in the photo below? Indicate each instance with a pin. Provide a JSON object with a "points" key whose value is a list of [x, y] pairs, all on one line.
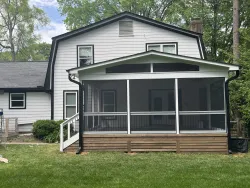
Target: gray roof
{"points": [[22, 74]]}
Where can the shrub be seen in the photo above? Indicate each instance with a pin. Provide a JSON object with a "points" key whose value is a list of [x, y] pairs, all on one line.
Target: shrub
{"points": [[47, 130]]}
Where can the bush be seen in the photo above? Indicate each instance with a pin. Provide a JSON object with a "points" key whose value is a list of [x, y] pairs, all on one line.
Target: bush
{"points": [[47, 130]]}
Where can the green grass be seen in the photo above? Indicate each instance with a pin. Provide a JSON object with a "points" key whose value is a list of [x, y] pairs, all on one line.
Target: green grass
{"points": [[43, 166]]}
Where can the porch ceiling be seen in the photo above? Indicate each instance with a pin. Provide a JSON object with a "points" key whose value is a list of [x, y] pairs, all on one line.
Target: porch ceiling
{"points": [[152, 53]]}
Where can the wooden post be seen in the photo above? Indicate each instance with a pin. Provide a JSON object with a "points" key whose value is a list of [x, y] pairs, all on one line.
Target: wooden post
{"points": [[16, 125], [6, 127]]}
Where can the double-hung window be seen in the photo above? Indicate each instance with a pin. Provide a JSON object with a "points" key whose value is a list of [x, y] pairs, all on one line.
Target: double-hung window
{"points": [[17, 101], [85, 55], [166, 47], [108, 101], [70, 103]]}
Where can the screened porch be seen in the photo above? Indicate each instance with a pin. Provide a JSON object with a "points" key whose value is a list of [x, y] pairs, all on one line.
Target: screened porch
{"points": [[180, 105]]}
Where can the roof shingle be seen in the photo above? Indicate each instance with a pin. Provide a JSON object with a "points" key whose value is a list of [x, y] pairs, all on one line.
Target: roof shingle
{"points": [[22, 74]]}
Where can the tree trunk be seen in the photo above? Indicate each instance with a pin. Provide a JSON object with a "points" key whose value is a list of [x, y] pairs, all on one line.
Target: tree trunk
{"points": [[236, 30]]}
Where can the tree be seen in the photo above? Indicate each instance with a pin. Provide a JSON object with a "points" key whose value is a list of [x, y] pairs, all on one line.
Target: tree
{"points": [[17, 24], [34, 52], [240, 88], [80, 13]]}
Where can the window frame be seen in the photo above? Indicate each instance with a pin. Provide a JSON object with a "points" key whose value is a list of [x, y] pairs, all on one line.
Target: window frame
{"points": [[102, 99], [78, 48], [128, 35], [24, 100], [163, 44], [64, 102]]}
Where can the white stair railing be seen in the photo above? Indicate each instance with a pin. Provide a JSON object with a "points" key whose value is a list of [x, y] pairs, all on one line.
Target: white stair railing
{"points": [[70, 138]]}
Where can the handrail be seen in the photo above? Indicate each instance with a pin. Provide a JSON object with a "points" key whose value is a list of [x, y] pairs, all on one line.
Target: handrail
{"points": [[67, 122]]}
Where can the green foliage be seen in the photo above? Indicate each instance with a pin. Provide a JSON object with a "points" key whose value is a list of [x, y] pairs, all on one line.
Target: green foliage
{"points": [[18, 22], [240, 88], [81, 13], [34, 52], [47, 130]]}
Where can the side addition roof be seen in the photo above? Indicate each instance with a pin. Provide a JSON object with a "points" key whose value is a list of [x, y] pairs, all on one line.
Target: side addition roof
{"points": [[23, 75]]}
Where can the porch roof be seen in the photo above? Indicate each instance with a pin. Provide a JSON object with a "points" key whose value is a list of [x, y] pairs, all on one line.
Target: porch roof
{"points": [[231, 67]]}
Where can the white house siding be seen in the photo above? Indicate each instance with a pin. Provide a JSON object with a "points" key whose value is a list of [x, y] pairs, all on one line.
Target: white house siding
{"points": [[108, 45], [37, 108]]}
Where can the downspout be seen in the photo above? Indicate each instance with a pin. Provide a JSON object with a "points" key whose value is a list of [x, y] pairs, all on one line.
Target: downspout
{"points": [[228, 110], [81, 89]]}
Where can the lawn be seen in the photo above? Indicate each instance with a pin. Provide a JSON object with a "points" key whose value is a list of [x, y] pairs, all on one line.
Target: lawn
{"points": [[43, 166]]}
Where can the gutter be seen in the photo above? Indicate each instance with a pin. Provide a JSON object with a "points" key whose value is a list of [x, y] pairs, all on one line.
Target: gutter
{"points": [[81, 89], [237, 73]]}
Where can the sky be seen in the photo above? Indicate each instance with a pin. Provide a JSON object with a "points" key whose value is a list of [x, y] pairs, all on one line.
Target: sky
{"points": [[56, 26]]}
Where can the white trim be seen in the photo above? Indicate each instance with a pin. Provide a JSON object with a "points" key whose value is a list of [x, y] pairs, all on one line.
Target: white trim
{"points": [[173, 56], [203, 132], [151, 68], [147, 76], [128, 105], [161, 46], [65, 100], [148, 113], [177, 107], [24, 101], [223, 112], [105, 132], [105, 113], [153, 132]]}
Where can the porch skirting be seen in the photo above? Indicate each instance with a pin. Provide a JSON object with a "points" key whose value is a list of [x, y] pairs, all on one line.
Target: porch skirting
{"points": [[208, 143]]}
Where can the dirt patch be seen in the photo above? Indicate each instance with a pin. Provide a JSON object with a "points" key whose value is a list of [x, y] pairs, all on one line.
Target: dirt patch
{"points": [[25, 138]]}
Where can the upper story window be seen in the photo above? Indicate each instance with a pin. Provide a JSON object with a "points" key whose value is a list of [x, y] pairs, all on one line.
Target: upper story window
{"points": [[165, 47], [126, 28], [17, 101], [85, 55]]}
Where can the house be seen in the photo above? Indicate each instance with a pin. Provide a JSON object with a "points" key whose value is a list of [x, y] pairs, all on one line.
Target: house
{"points": [[22, 92], [129, 83]]}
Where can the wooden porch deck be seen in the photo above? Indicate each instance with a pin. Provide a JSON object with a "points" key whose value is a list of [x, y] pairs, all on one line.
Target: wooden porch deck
{"points": [[182, 143]]}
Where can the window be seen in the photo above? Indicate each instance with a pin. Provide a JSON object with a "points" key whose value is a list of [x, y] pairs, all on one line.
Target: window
{"points": [[17, 101], [167, 47], [125, 28], [70, 103], [85, 55], [174, 67], [108, 101], [129, 68]]}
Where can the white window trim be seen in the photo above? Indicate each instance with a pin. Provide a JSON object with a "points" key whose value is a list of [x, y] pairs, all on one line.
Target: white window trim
{"points": [[65, 105], [163, 44], [18, 107], [78, 53], [103, 104]]}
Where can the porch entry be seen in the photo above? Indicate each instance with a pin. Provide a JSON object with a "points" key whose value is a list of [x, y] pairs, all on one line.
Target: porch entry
{"points": [[155, 106]]}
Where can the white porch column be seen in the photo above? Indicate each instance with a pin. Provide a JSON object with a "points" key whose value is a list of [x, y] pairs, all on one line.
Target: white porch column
{"points": [[128, 105], [177, 106]]}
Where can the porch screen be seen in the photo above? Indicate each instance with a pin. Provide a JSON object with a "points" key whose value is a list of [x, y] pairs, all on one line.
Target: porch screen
{"points": [[202, 104], [105, 106], [152, 105]]}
